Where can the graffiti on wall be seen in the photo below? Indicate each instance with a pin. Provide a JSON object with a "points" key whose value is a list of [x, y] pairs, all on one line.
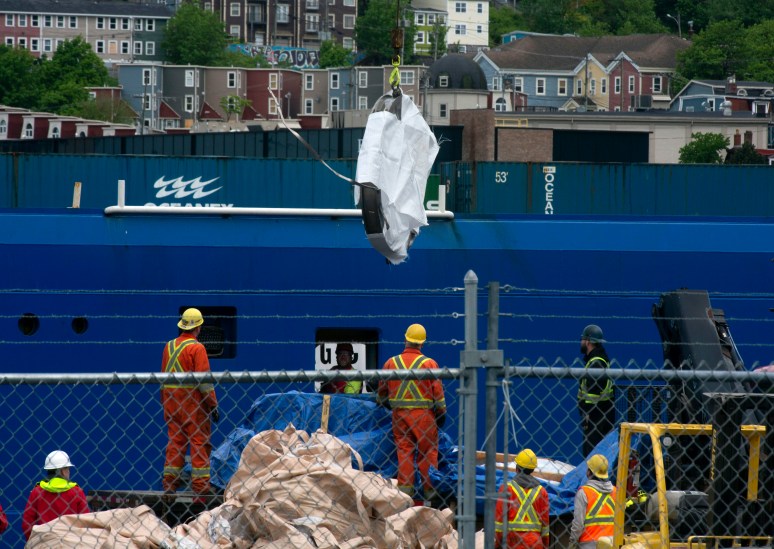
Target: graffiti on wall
{"points": [[299, 58]]}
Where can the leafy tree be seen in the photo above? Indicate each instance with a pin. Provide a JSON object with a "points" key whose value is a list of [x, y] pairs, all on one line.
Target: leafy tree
{"points": [[108, 109], [437, 37], [233, 104], [746, 154], [550, 16], [333, 54], [74, 60], [503, 19], [621, 16], [373, 32], [704, 149], [18, 78], [230, 58], [759, 41], [194, 36], [749, 12], [717, 52]]}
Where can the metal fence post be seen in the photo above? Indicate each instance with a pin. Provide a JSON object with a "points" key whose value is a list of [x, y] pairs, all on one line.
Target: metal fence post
{"points": [[492, 372], [466, 488]]}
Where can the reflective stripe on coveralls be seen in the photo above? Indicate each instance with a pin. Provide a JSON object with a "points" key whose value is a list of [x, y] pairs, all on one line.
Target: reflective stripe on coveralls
{"points": [[607, 392], [599, 514], [408, 387], [526, 518]]}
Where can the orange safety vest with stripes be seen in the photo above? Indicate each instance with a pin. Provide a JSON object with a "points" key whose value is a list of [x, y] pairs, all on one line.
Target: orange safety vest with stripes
{"points": [[173, 366], [599, 514], [526, 519], [412, 393]]}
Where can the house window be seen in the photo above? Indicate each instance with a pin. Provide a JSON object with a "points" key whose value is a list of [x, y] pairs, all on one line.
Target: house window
{"points": [[334, 104], [273, 81], [348, 42], [362, 79], [334, 85], [480, 8], [312, 22], [603, 84], [137, 24], [479, 29], [562, 86], [518, 84], [100, 22], [308, 106], [442, 111], [231, 79], [138, 48], [631, 84], [540, 86], [47, 45], [124, 24], [460, 29], [308, 81], [100, 46], [313, 4], [420, 19], [22, 43], [431, 19], [22, 20], [593, 86], [234, 9], [460, 7], [28, 130], [283, 13], [60, 21], [189, 103], [55, 132], [47, 22], [349, 3], [420, 38], [146, 77], [500, 105], [407, 77], [189, 79], [443, 81], [3, 127], [656, 84], [233, 30], [125, 47], [112, 23], [35, 44], [362, 103], [332, 21], [73, 22], [272, 106], [617, 84], [579, 87], [150, 48], [259, 38], [146, 102], [34, 20], [150, 25], [349, 22]]}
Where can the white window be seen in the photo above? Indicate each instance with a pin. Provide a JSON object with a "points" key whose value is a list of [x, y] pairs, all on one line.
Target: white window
{"points": [[479, 29], [460, 7], [312, 22], [28, 130], [349, 21], [308, 81], [308, 106], [518, 84], [8, 20], [431, 19], [35, 44], [562, 86], [349, 3], [500, 105], [137, 24], [579, 87], [460, 29], [55, 132], [334, 81], [362, 79], [100, 22], [47, 45], [146, 102], [146, 77], [540, 86], [22, 20], [189, 79], [407, 78], [233, 30], [593, 86], [125, 47], [259, 38], [617, 108], [34, 20], [60, 21], [420, 37], [234, 9], [47, 21], [112, 23], [273, 81], [138, 48], [150, 25], [442, 110], [497, 83], [334, 104], [362, 103], [22, 43], [631, 84], [100, 46], [313, 4], [617, 84], [656, 84], [189, 103], [231, 79], [443, 81], [73, 22], [332, 20], [9, 41], [348, 42], [3, 127], [150, 48], [480, 8], [125, 24], [603, 85], [283, 13], [273, 106], [420, 19]]}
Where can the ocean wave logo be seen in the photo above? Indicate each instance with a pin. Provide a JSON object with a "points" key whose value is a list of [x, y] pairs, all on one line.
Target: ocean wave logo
{"points": [[183, 188]]}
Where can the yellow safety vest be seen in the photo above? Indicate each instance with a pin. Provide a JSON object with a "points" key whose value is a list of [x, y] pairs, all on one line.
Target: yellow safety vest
{"points": [[592, 398]]}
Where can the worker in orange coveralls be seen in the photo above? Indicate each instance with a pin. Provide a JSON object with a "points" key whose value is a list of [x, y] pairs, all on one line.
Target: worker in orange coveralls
{"points": [[188, 407], [527, 504], [418, 411]]}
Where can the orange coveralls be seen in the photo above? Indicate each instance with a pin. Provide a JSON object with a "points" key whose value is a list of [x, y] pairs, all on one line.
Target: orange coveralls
{"points": [[187, 410], [414, 404], [526, 526]]}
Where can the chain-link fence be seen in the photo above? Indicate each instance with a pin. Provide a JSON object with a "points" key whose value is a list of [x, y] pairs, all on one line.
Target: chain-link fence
{"points": [[300, 485]]}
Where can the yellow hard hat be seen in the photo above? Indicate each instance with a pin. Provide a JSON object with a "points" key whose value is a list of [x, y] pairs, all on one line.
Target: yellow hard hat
{"points": [[191, 319], [526, 459], [416, 333], [598, 466]]}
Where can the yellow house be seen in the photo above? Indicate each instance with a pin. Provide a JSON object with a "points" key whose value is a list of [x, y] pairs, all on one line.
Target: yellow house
{"points": [[591, 87]]}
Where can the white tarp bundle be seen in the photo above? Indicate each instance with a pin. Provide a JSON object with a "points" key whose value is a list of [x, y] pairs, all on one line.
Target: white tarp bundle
{"points": [[291, 490], [396, 155]]}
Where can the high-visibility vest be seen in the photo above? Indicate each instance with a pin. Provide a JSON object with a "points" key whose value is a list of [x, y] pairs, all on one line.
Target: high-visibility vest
{"points": [[173, 365], [592, 398], [57, 485], [526, 518], [408, 394], [599, 514]]}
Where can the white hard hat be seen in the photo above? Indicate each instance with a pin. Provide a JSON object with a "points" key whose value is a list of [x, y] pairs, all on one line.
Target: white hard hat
{"points": [[57, 460]]}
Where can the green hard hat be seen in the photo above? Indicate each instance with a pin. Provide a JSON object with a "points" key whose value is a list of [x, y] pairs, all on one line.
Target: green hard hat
{"points": [[593, 333]]}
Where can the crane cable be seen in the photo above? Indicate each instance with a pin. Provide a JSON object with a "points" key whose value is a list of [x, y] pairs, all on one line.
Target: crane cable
{"points": [[396, 36]]}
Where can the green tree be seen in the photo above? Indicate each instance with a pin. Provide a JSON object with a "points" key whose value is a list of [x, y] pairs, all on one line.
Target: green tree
{"points": [[746, 154], [550, 16], [503, 19], [333, 54], [373, 32], [194, 36], [759, 41], [108, 109], [18, 78], [233, 104], [704, 149], [437, 36], [718, 51]]}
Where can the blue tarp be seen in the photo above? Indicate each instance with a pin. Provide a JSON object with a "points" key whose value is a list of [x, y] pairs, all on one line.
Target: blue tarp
{"points": [[367, 427]]}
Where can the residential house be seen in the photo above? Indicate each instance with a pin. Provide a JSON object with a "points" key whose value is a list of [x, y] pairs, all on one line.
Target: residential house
{"points": [[142, 87], [714, 95], [315, 92], [269, 90], [467, 22], [454, 82], [35, 125], [116, 30], [428, 22], [11, 120]]}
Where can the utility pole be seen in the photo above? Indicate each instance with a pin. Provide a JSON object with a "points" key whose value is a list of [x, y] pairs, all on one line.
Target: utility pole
{"points": [[586, 84]]}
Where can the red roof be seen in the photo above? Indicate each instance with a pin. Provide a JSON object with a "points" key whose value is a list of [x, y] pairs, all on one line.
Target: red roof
{"points": [[208, 113]]}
